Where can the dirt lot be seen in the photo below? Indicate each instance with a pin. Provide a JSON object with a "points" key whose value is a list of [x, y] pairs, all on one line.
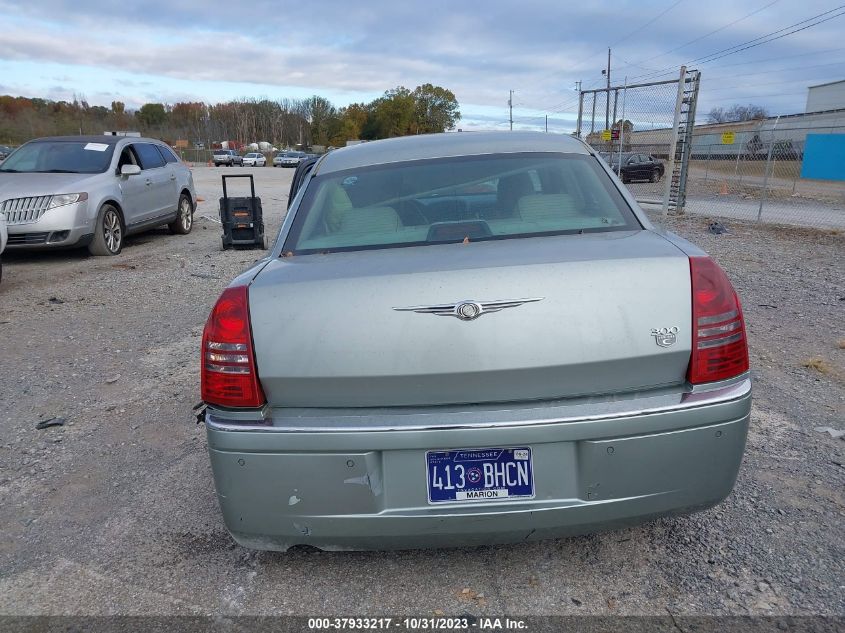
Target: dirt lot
{"points": [[115, 512]]}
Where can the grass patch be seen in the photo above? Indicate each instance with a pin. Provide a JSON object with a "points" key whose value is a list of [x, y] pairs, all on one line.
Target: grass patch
{"points": [[819, 364]]}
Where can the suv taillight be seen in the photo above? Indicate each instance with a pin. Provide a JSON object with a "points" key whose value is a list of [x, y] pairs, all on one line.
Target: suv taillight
{"points": [[229, 377], [719, 346]]}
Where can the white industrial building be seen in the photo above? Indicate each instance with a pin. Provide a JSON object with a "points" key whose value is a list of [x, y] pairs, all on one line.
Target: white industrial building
{"points": [[823, 97], [825, 114]]}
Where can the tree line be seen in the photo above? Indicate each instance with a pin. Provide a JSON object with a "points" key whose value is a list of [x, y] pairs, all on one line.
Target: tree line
{"points": [[737, 113], [283, 122]]}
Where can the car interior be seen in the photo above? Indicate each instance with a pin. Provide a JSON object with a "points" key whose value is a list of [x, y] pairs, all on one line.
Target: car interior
{"points": [[438, 202]]}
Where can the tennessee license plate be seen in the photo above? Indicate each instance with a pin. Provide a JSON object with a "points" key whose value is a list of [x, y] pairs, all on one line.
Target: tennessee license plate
{"points": [[479, 474]]}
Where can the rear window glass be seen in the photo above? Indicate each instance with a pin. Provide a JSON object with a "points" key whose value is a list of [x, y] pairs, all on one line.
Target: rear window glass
{"points": [[450, 200]]}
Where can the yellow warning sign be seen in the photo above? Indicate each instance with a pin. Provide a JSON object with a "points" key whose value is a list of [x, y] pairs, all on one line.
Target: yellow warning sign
{"points": [[605, 135], [728, 138]]}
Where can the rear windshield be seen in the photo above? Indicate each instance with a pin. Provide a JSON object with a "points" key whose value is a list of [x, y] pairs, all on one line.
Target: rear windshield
{"points": [[71, 157], [455, 199]]}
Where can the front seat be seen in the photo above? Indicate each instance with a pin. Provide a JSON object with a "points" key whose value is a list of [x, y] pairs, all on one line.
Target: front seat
{"points": [[508, 192]]}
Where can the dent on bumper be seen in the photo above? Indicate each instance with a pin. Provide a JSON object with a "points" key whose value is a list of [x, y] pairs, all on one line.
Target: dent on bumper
{"points": [[278, 489]]}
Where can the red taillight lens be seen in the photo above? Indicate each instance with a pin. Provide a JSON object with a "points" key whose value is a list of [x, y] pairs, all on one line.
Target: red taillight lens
{"points": [[229, 376], [719, 346]]}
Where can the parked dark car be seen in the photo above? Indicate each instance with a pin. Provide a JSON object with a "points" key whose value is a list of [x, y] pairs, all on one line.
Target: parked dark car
{"points": [[302, 170], [5, 150], [636, 166], [227, 157]]}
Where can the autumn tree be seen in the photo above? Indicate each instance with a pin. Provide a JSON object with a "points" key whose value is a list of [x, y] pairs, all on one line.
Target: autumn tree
{"points": [[352, 120], [393, 114], [321, 114], [151, 114], [435, 109]]}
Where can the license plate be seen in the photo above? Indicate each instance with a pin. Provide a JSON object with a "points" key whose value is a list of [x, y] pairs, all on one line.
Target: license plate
{"points": [[479, 474]]}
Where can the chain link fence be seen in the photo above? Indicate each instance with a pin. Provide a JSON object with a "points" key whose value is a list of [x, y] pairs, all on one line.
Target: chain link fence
{"points": [[751, 170], [642, 131], [755, 173]]}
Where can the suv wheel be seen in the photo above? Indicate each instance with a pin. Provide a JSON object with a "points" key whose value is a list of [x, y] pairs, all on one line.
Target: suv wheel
{"points": [[108, 232], [184, 221]]}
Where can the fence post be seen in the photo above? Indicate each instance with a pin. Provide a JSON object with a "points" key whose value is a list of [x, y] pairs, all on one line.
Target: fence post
{"points": [[707, 164], [670, 167], [766, 174], [738, 154]]}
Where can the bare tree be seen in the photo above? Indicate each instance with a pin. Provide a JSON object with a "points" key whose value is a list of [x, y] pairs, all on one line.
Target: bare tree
{"points": [[737, 113]]}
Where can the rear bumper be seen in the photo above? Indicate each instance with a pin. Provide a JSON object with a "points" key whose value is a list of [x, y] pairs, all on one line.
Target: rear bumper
{"points": [[280, 484]]}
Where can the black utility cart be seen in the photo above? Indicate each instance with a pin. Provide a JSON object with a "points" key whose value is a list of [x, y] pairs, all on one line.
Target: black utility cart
{"points": [[242, 218]]}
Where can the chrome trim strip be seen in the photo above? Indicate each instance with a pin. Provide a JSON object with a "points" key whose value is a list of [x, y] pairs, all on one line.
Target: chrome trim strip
{"points": [[688, 401], [719, 329], [227, 347], [718, 342], [227, 358], [718, 318], [226, 369], [479, 307]]}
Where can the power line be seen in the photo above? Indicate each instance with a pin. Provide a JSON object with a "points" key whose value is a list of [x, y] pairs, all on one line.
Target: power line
{"points": [[637, 30], [627, 63], [651, 21], [757, 41], [711, 57], [775, 59], [717, 56], [774, 70], [713, 32]]}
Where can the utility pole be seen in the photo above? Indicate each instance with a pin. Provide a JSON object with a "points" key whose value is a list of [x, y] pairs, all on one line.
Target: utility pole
{"points": [[547, 124], [580, 110], [510, 109], [607, 101]]}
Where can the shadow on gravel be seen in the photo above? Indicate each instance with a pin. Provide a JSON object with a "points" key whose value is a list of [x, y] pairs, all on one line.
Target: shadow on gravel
{"points": [[64, 255]]}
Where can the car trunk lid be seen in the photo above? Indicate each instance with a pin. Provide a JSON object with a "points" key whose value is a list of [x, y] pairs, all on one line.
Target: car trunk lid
{"points": [[613, 316]]}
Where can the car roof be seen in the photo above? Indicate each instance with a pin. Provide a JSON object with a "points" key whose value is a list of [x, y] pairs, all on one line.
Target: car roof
{"points": [[106, 139], [427, 146]]}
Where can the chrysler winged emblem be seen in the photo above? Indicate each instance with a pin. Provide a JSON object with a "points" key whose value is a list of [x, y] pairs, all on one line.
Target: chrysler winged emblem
{"points": [[468, 310]]}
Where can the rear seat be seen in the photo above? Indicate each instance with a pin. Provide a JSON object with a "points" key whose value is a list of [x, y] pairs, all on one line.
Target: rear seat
{"points": [[548, 207], [370, 220]]}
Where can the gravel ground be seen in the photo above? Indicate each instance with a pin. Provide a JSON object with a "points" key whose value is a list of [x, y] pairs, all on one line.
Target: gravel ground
{"points": [[115, 512]]}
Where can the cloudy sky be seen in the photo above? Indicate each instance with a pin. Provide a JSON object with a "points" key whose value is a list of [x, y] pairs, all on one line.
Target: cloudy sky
{"points": [[210, 50]]}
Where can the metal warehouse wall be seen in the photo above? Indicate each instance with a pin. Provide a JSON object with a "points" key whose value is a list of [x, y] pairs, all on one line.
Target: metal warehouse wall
{"points": [[826, 97], [752, 137]]}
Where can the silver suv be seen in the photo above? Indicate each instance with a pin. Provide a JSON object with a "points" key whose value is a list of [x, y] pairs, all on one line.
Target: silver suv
{"points": [[93, 191], [227, 157]]}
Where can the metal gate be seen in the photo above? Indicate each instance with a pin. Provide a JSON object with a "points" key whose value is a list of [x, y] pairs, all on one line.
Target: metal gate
{"points": [[644, 131]]}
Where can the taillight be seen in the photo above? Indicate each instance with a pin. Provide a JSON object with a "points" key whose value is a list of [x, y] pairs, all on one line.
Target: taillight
{"points": [[719, 346], [229, 377]]}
